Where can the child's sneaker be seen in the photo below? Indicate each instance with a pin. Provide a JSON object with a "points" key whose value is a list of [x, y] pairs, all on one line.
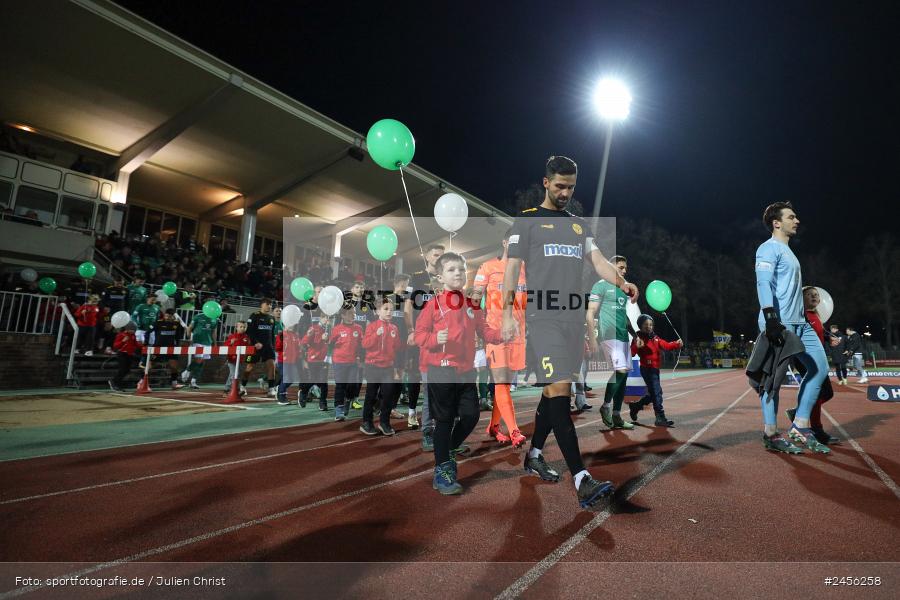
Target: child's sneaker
{"points": [[178, 386], [262, 383], [283, 401], [412, 422], [620, 423], [427, 442], [591, 491], [662, 421], [356, 404], [301, 399], [396, 414], [242, 392], [323, 405], [113, 387], [368, 429], [89, 353], [776, 443], [485, 404], [339, 414], [634, 409], [194, 386], [272, 392], [445, 480], [386, 430]]}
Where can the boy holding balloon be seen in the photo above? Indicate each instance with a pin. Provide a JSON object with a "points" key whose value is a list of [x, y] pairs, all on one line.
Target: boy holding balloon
{"points": [[647, 345], [445, 332]]}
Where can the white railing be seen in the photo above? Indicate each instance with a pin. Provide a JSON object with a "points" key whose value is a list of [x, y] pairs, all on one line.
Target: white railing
{"points": [[66, 317], [27, 313]]}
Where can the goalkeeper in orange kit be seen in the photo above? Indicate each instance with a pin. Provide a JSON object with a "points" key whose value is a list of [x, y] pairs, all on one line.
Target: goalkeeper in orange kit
{"points": [[503, 359]]}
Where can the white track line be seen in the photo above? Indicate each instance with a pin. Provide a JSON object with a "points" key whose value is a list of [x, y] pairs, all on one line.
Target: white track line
{"points": [[194, 469], [520, 585], [268, 518], [142, 397], [868, 459]]}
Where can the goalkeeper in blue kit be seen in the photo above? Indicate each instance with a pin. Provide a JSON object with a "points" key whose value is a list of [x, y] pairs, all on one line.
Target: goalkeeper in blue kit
{"points": [[779, 287]]}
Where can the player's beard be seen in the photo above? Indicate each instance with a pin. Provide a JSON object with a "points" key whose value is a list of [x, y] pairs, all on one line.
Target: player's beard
{"points": [[558, 202]]}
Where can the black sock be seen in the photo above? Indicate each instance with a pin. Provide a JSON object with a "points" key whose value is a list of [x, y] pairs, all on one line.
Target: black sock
{"points": [[564, 430], [542, 424], [244, 381], [271, 383], [441, 437]]}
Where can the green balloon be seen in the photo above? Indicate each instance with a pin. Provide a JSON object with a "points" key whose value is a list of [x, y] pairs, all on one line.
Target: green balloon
{"points": [[391, 144], [87, 270], [302, 289], [212, 309], [659, 295], [47, 285], [170, 288], [381, 242]]}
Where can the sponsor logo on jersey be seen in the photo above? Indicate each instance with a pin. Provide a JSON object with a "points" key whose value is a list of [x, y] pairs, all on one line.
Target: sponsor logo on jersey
{"points": [[562, 250], [514, 239], [577, 228], [764, 266], [545, 226]]}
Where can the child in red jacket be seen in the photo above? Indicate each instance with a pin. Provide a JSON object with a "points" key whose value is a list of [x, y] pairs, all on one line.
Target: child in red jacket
{"points": [[346, 354], [646, 344], [314, 347], [811, 301], [127, 349], [381, 343], [238, 338], [445, 331], [86, 316], [287, 345]]}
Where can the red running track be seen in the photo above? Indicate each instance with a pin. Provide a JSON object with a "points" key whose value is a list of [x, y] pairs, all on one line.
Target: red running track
{"points": [[701, 509]]}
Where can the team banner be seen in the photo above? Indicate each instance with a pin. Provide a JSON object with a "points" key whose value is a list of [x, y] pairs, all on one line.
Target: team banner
{"points": [[721, 339]]}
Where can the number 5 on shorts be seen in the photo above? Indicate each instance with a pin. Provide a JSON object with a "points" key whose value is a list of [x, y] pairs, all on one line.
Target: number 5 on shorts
{"points": [[547, 366]]}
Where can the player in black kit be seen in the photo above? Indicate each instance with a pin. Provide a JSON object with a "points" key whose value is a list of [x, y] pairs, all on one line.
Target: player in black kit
{"points": [[261, 331], [554, 244]]}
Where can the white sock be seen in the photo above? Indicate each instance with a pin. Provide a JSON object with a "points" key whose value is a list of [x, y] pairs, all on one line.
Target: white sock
{"points": [[617, 412], [193, 381], [412, 412], [535, 452], [579, 476], [607, 404]]}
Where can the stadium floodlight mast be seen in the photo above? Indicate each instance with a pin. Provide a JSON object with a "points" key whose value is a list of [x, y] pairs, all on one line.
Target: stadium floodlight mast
{"points": [[613, 103]]}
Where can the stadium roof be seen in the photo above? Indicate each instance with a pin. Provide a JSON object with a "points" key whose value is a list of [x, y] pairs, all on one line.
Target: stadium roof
{"points": [[201, 136]]}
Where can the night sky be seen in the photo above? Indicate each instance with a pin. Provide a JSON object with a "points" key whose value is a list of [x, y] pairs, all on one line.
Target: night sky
{"points": [[735, 106]]}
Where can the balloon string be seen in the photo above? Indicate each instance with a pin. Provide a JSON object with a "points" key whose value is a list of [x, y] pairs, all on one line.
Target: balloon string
{"points": [[415, 228], [678, 359], [411, 216]]}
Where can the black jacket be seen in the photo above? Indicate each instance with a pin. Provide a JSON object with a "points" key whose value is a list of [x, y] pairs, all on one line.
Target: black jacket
{"points": [[768, 364], [854, 343]]}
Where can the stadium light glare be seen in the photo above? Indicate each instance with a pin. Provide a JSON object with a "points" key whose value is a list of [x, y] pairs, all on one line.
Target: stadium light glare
{"points": [[612, 99]]}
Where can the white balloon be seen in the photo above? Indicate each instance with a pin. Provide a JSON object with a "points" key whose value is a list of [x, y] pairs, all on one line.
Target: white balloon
{"points": [[451, 212], [826, 305], [331, 299], [632, 311], [120, 319], [161, 296], [29, 274], [290, 315]]}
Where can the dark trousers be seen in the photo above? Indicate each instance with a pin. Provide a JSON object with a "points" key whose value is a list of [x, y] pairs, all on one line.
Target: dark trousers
{"points": [[654, 389], [125, 362], [380, 379], [840, 369], [317, 374], [87, 337], [345, 376], [451, 396]]}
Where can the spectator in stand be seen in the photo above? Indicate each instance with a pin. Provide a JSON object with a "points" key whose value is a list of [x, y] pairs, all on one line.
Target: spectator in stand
{"points": [[87, 316]]}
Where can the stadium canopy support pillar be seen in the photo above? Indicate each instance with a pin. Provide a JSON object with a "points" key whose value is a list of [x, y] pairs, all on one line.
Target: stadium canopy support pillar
{"points": [[398, 265], [248, 233]]}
